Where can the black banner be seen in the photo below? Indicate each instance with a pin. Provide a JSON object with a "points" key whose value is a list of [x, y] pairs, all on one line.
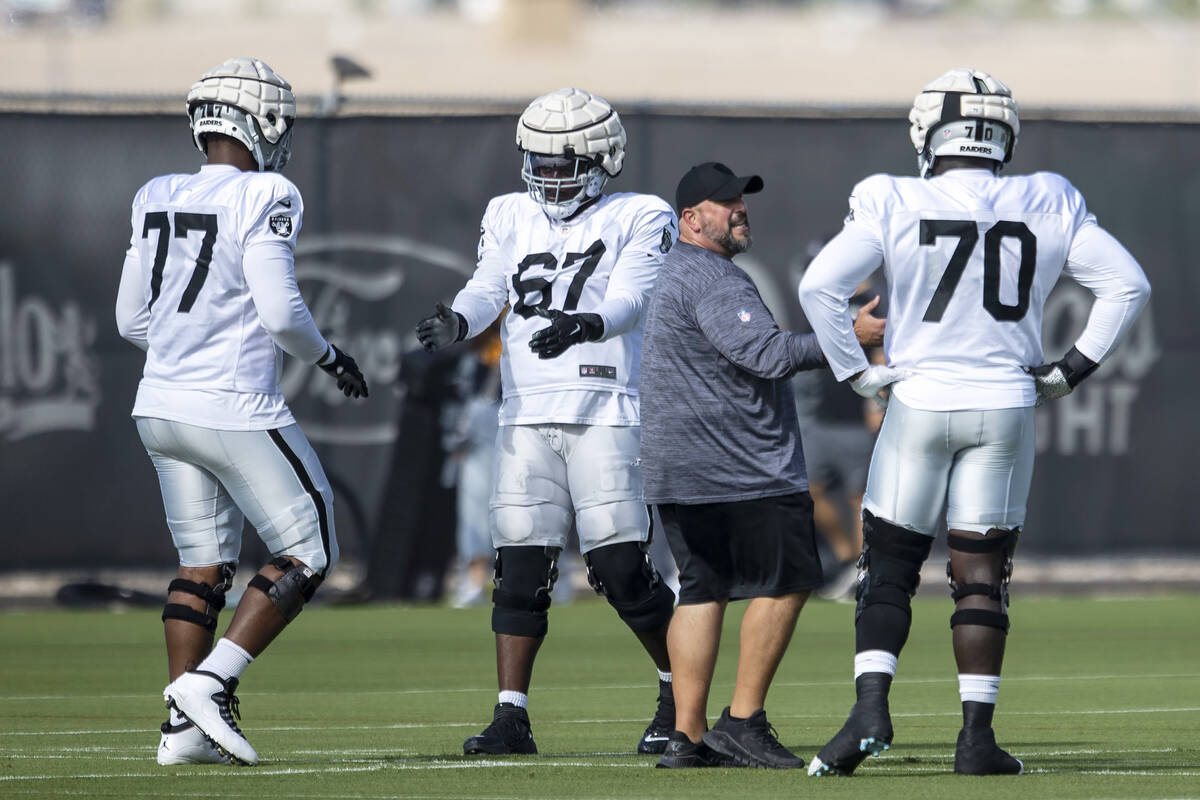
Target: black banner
{"points": [[390, 227]]}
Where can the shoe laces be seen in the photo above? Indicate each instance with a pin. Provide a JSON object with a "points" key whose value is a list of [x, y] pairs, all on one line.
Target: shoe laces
{"points": [[227, 704], [508, 727], [765, 732], [664, 715]]}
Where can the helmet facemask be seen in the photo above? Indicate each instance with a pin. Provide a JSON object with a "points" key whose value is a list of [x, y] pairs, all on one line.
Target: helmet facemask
{"points": [[562, 184]]}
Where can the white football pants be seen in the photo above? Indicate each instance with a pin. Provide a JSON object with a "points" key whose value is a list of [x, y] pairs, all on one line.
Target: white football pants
{"points": [[976, 465], [212, 480], [550, 475]]}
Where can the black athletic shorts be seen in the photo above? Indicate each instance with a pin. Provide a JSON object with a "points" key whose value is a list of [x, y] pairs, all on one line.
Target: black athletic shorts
{"points": [[751, 548]]}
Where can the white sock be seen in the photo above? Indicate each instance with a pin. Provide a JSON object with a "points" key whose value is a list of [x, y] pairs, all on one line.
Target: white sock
{"points": [[227, 660], [978, 688], [518, 699], [665, 677], [874, 661]]}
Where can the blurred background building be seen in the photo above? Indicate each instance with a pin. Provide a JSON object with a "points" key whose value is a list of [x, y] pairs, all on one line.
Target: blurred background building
{"points": [[1056, 54], [407, 111]]}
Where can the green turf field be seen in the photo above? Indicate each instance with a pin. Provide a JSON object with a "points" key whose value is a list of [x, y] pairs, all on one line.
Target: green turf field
{"points": [[1101, 699]]}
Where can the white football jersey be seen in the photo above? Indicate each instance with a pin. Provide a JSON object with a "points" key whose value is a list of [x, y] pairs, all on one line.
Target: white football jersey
{"points": [[201, 245], [969, 258], [604, 261]]}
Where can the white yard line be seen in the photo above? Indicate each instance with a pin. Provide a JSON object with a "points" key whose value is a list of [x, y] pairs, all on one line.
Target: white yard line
{"points": [[541, 763], [604, 687], [415, 725]]}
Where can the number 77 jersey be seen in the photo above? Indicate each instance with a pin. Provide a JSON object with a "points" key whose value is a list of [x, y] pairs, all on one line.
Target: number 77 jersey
{"points": [[970, 258], [603, 261], [191, 235]]}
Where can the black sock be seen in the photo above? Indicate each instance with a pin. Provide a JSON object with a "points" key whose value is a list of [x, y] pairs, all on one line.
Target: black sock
{"points": [[873, 687], [977, 715]]}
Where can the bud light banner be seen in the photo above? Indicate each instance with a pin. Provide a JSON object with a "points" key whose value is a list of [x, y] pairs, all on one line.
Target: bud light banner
{"points": [[392, 210]]}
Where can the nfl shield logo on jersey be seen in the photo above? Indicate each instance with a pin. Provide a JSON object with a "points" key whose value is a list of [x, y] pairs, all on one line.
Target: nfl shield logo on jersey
{"points": [[281, 224]]}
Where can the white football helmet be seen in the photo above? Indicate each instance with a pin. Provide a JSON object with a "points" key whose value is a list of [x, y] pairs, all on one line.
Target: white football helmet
{"points": [[247, 100], [965, 112], [573, 142]]}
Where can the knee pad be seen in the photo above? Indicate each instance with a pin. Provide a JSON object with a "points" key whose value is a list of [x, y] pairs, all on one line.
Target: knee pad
{"points": [[625, 520], [624, 574], [524, 578], [213, 596], [891, 564], [992, 554], [291, 590]]}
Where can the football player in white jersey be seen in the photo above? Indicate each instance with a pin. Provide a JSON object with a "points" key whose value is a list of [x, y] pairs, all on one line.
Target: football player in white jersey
{"points": [[969, 258], [576, 266], [209, 292]]}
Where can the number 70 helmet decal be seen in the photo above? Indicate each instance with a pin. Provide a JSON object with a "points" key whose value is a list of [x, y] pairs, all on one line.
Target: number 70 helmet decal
{"points": [[965, 112]]}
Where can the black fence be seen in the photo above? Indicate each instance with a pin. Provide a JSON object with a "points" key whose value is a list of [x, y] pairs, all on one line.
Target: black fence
{"points": [[392, 206]]}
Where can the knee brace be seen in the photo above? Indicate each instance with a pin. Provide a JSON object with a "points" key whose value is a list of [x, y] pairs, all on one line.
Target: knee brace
{"points": [[213, 596], [992, 555], [625, 576], [891, 564], [524, 578], [291, 590]]}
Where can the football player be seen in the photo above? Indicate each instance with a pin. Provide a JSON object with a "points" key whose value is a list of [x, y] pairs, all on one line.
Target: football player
{"points": [[208, 290], [575, 266], [970, 257]]}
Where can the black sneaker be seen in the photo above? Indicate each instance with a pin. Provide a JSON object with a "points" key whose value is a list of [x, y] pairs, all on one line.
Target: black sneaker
{"points": [[509, 734], [867, 732], [682, 753], [978, 754], [654, 740], [750, 742]]}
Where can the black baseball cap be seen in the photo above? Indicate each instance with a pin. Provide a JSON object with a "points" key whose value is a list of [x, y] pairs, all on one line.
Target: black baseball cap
{"points": [[712, 181]]}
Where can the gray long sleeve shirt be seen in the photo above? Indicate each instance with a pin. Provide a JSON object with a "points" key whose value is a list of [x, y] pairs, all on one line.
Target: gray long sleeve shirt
{"points": [[718, 419]]}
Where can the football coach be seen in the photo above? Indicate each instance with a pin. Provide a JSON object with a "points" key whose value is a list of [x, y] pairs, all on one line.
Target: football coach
{"points": [[724, 469]]}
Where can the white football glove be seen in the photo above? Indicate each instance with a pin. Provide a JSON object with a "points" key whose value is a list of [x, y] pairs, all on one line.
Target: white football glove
{"points": [[874, 379]]}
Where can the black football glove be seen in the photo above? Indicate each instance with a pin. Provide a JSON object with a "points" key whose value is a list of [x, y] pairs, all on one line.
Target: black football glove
{"points": [[349, 379], [563, 331], [445, 327], [1058, 378]]}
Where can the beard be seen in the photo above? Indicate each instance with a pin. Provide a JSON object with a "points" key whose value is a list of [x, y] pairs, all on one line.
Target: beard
{"points": [[725, 238]]}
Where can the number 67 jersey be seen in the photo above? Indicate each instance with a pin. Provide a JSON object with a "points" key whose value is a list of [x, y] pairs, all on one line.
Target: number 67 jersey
{"points": [[603, 261], [969, 258]]}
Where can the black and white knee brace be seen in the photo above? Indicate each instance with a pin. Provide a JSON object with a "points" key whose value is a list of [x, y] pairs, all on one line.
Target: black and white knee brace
{"points": [[891, 562], [997, 551], [625, 576], [291, 590], [891, 572], [524, 578], [213, 596]]}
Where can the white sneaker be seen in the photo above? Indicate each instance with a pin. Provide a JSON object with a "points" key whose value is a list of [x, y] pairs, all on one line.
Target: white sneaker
{"points": [[211, 705], [187, 744]]}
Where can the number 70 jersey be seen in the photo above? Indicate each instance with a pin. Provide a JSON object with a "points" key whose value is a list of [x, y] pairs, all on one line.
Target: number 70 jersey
{"points": [[603, 261], [970, 258]]}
